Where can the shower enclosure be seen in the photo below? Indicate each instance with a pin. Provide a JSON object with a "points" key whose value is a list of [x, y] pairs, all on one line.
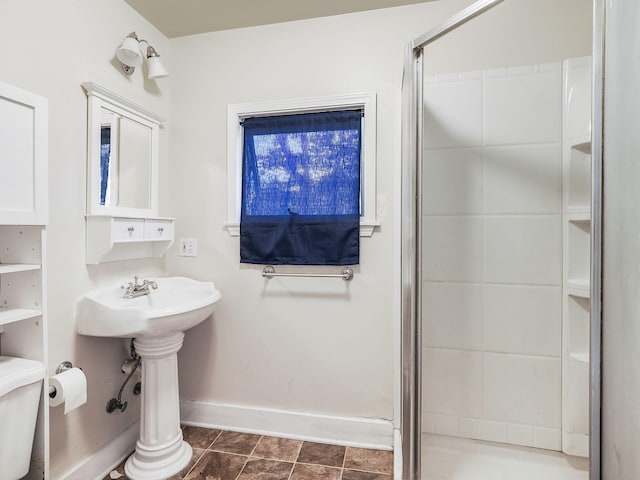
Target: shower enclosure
{"points": [[501, 252]]}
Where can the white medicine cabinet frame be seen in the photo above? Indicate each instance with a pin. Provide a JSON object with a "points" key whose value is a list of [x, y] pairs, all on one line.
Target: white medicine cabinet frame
{"points": [[235, 140], [125, 224], [23, 219], [101, 101]]}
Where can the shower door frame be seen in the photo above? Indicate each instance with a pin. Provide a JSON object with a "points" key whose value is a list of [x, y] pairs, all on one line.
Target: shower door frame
{"points": [[411, 241]]}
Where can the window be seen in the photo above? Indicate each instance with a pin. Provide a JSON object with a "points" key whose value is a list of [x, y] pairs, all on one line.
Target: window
{"points": [[238, 114], [301, 189]]}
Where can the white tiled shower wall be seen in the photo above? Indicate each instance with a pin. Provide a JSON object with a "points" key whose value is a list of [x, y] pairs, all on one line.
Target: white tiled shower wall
{"points": [[492, 255]]}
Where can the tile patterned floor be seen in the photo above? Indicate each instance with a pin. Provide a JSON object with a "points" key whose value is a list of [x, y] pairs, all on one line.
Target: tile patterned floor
{"points": [[225, 455]]}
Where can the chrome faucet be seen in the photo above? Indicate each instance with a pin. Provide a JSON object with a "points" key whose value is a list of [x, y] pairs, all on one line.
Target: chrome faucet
{"points": [[135, 289]]}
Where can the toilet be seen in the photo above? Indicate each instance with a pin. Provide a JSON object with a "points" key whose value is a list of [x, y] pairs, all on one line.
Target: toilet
{"points": [[20, 388]]}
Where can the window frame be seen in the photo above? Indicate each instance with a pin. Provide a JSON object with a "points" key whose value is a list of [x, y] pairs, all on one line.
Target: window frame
{"points": [[235, 140]]}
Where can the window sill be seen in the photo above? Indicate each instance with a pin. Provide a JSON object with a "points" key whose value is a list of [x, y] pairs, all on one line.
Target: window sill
{"points": [[366, 228]]}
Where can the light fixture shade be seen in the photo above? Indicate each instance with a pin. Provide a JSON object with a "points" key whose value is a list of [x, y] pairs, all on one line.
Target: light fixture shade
{"points": [[156, 69], [129, 51]]}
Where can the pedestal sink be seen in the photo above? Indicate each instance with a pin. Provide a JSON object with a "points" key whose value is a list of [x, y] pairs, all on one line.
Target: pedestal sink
{"points": [[157, 322]]}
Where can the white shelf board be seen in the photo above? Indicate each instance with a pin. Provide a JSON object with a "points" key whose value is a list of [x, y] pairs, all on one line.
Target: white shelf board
{"points": [[10, 315], [582, 292], [579, 283], [143, 240], [18, 267], [578, 214], [584, 146], [580, 357]]}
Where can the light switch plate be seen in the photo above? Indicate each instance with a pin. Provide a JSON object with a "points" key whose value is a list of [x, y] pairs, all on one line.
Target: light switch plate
{"points": [[188, 247]]}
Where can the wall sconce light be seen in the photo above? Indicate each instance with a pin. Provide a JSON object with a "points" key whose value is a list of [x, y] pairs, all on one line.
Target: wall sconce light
{"points": [[132, 53]]}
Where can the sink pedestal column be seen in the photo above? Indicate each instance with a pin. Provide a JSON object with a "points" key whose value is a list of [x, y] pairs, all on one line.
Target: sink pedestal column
{"points": [[160, 450]]}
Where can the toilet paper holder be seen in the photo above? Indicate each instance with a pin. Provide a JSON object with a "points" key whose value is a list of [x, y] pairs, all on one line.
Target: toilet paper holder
{"points": [[62, 367]]}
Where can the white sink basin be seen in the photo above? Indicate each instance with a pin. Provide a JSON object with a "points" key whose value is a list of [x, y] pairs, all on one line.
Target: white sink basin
{"points": [[157, 321], [177, 304]]}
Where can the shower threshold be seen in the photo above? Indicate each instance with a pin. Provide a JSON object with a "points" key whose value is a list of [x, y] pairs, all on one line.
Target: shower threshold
{"points": [[452, 458]]}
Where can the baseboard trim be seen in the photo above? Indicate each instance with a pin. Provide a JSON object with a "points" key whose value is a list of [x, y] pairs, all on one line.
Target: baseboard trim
{"points": [[102, 462], [397, 453], [348, 431]]}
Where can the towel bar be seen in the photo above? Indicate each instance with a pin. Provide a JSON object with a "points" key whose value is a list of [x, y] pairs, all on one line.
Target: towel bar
{"points": [[269, 272]]}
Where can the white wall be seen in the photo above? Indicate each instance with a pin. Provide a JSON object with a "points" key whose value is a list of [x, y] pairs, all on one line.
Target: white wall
{"points": [[310, 346], [621, 245], [49, 48], [493, 255], [513, 33]]}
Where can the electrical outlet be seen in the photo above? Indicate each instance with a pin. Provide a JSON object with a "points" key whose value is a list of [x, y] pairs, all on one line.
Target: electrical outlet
{"points": [[188, 247]]}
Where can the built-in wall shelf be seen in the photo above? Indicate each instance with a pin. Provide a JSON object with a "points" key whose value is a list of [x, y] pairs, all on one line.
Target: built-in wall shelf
{"points": [[576, 328], [584, 147], [578, 214], [580, 357], [18, 267], [10, 315], [577, 252], [23, 317], [578, 175], [579, 287], [111, 238], [576, 289]]}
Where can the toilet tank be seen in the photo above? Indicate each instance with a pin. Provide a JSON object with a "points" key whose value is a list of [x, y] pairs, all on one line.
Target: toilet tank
{"points": [[20, 387]]}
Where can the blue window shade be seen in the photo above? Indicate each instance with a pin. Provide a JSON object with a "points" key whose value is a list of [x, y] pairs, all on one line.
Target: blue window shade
{"points": [[301, 189]]}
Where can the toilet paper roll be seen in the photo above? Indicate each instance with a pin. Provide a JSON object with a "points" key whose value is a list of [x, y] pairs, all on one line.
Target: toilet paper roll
{"points": [[71, 389]]}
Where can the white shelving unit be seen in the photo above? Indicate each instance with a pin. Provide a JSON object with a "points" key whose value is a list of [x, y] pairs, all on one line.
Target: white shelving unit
{"points": [[576, 171], [21, 280], [16, 314], [23, 330], [23, 219]]}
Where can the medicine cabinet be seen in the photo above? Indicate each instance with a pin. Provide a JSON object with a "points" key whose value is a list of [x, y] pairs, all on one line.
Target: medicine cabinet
{"points": [[122, 180]]}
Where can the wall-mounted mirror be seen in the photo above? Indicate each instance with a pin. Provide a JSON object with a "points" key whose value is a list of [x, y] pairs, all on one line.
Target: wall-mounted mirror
{"points": [[122, 170]]}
